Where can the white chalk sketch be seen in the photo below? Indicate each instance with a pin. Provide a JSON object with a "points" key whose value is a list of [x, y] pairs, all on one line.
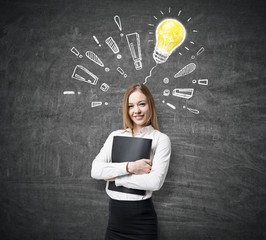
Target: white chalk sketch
{"points": [[68, 92], [195, 111], [112, 45], [179, 13], [186, 70], [200, 51], [169, 105], [166, 92], [93, 57], [83, 74], [133, 41], [166, 80], [97, 104], [201, 81], [170, 34], [104, 87], [118, 23], [121, 71], [76, 52], [97, 41], [186, 93], [189, 19]]}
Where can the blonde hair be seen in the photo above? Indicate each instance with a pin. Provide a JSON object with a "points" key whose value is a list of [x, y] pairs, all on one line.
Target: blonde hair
{"points": [[152, 119]]}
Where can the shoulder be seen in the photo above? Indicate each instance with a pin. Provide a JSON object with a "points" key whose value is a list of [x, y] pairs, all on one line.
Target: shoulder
{"points": [[161, 136], [116, 133]]}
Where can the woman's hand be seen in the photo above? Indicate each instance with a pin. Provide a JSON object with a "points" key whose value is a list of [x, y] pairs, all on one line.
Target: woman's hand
{"points": [[142, 166]]}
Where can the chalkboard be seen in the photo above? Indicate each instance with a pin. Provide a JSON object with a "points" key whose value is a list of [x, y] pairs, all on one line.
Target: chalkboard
{"points": [[64, 68]]}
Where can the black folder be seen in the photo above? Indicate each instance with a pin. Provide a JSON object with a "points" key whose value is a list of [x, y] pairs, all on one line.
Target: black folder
{"points": [[129, 149]]}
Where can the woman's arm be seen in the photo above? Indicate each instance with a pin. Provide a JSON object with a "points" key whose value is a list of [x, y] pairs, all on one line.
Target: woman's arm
{"points": [[102, 167], [154, 180]]}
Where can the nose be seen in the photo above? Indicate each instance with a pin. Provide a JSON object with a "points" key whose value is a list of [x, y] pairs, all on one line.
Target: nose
{"points": [[136, 109]]}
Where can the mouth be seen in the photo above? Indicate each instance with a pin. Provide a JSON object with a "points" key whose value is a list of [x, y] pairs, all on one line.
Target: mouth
{"points": [[139, 117]]}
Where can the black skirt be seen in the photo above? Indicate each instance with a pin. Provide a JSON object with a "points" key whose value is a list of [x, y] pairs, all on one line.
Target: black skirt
{"points": [[129, 220]]}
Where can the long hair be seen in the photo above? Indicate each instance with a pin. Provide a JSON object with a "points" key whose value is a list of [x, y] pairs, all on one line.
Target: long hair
{"points": [[152, 119]]}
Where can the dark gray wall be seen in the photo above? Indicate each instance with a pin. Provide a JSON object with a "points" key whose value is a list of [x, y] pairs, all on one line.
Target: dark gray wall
{"points": [[216, 184]]}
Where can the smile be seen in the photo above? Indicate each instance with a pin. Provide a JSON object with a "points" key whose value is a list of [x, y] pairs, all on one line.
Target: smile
{"points": [[139, 117]]}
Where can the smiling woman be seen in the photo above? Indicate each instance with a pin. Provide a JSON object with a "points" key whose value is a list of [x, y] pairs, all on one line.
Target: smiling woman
{"points": [[132, 216]]}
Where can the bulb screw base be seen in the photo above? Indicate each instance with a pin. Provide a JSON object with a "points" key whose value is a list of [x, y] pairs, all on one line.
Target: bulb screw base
{"points": [[160, 57]]}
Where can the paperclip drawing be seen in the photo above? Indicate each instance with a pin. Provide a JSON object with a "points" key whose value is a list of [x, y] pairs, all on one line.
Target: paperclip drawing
{"points": [[186, 70], [93, 57], [121, 71], [112, 45], [83, 74], [133, 41], [104, 87], [76, 52], [186, 93]]}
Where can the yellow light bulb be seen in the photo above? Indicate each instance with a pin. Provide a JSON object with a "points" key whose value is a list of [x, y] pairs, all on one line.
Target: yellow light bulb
{"points": [[170, 34]]}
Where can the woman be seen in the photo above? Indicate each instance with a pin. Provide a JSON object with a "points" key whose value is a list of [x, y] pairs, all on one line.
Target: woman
{"points": [[132, 216]]}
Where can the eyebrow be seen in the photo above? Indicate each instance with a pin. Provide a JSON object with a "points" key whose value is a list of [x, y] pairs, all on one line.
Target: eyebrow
{"points": [[138, 101]]}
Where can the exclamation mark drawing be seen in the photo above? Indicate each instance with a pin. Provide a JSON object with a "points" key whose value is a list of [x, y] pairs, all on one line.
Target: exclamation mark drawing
{"points": [[97, 104], [97, 41], [118, 23], [76, 52]]}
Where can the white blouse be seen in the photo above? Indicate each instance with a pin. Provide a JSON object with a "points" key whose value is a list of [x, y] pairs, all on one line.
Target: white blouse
{"points": [[103, 168]]}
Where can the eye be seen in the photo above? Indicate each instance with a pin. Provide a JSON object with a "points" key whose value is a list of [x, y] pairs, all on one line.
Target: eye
{"points": [[142, 104], [130, 106]]}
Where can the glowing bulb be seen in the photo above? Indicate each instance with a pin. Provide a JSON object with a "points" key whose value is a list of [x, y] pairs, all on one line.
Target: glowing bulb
{"points": [[170, 34]]}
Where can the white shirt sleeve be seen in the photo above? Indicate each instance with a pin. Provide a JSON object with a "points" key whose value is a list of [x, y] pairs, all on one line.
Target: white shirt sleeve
{"points": [[155, 179], [102, 167]]}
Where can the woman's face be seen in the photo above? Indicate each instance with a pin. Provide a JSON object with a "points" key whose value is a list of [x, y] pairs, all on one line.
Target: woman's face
{"points": [[138, 108]]}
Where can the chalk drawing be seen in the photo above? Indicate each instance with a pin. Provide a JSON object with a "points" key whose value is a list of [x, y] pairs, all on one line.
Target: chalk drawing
{"points": [[118, 23], [186, 93], [97, 41], [121, 71], [83, 74], [104, 87], [93, 57], [70, 93], [76, 52], [97, 104], [186, 70], [169, 105], [195, 111], [170, 34], [113, 46], [166, 80], [166, 92], [133, 41], [200, 51], [201, 81]]}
